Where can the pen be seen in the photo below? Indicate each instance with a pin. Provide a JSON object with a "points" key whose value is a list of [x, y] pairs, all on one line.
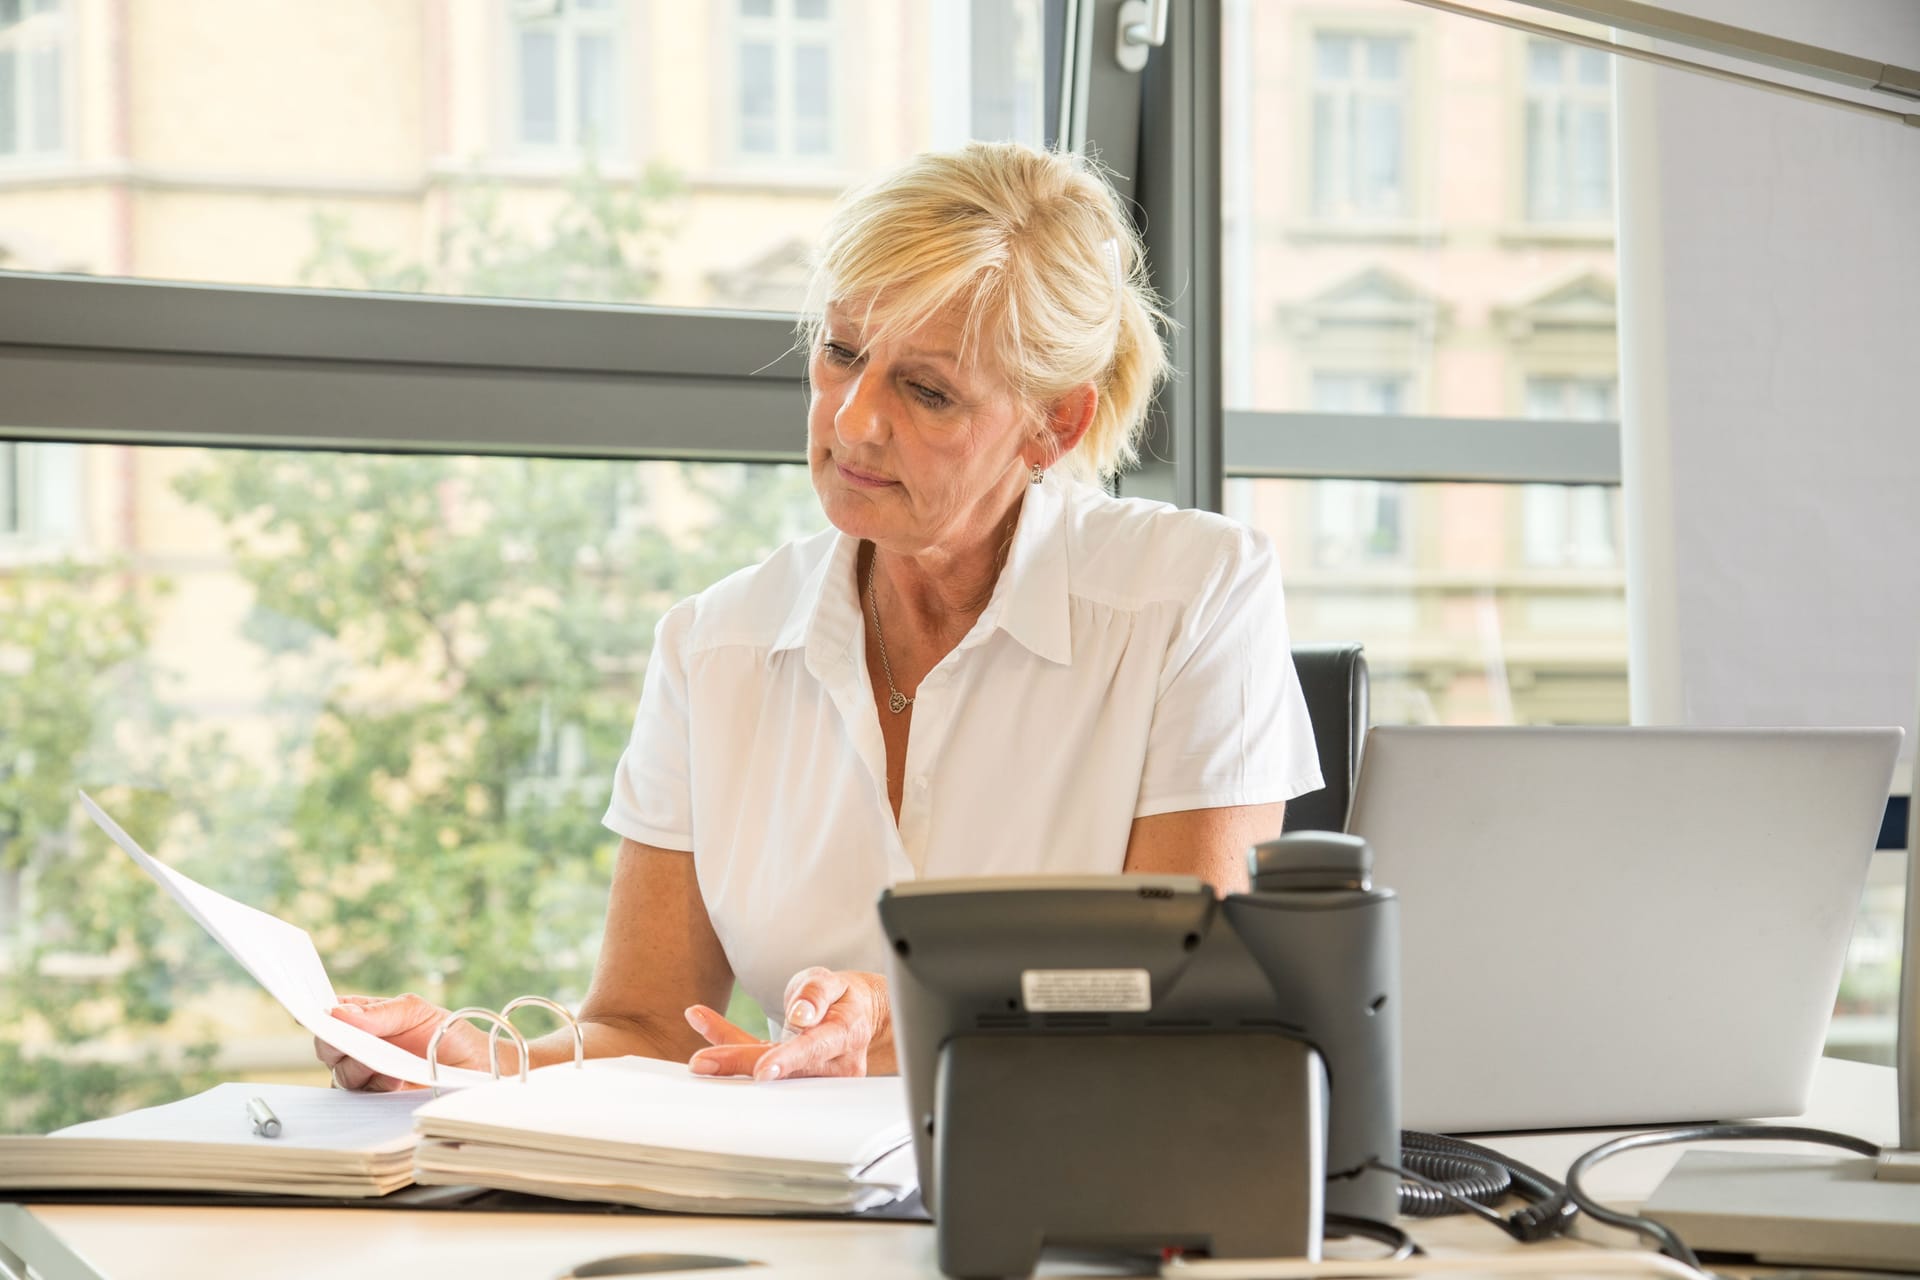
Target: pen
{"points": [[265, 1123]]}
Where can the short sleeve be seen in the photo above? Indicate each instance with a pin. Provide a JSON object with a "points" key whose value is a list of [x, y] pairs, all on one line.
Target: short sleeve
{"points": [[1230, 724], [653, 783]]}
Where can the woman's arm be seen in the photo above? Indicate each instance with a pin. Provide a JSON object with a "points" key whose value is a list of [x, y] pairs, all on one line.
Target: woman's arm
{"points": [[1209, 843], [659, 957]]}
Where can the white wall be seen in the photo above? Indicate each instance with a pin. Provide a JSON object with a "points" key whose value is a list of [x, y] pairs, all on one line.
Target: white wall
{"points": [[1770, 318]]}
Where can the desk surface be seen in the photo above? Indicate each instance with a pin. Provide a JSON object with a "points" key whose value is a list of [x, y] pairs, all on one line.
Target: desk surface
{"points": [[98, 1242]]}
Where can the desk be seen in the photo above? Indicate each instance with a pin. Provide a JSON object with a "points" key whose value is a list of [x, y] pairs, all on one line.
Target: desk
{"points": [[98, 1242]]}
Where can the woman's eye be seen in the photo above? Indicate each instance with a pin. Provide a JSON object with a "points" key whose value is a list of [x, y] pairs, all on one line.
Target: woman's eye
{"points": [[929, 397], [834, 353]]}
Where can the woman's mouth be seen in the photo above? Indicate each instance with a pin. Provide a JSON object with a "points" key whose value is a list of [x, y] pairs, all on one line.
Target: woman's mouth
{"points": [[862, 479]]}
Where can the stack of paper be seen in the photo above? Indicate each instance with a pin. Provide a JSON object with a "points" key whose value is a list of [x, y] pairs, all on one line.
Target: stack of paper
{"points": [[331, 1143], [648, 1133]]}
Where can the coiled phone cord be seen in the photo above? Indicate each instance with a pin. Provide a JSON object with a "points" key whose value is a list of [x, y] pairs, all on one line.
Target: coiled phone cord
{"points": [[1441, 1175]]}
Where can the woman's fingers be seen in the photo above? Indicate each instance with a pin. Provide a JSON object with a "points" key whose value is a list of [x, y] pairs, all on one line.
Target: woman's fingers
{"points": [[715, 1027], [730, 1059], [812, 993]]}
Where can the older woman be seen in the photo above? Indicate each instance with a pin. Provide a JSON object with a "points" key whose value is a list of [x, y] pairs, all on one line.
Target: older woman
{"points": [[987, 666]]}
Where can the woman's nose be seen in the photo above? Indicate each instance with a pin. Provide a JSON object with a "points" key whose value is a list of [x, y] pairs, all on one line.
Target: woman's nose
{"points": [[863, 413]]}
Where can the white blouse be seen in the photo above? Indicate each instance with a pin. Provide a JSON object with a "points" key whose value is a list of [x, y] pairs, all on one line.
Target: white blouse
{"points": [[1132, 660]]}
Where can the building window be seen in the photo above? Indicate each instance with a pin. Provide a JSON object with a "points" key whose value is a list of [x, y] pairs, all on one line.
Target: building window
{"points": [[1571, 399], [32, 79], [783, 80], [1361, 90], [1571, 526], [566, 62], [1359, 521], [1569, 126], [12, 501]]}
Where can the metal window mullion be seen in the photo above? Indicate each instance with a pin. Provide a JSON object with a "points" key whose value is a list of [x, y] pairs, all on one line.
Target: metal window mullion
{"points": [[1421, 449], [96, 396]]}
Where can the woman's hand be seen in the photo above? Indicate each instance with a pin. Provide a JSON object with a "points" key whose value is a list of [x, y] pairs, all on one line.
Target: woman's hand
{"points": [[408, 1022], [843, 1025]]}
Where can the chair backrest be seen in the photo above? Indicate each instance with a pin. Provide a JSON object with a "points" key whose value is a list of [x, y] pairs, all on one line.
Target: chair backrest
{"points": [[1334, 679]]}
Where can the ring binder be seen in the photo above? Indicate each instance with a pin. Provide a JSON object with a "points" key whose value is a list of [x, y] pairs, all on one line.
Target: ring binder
{"points": [[502, 1020]]}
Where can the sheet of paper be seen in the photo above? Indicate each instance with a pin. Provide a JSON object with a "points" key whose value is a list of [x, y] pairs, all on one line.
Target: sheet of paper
{"points": [[281, 958], [320, 1119]]}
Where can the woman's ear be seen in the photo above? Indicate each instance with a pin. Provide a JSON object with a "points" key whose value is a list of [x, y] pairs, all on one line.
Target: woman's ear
{"points": [[1066, 421]]}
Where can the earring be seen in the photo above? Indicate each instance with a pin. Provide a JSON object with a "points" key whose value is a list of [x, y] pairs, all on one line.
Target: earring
{"points": [[1038, 474]]}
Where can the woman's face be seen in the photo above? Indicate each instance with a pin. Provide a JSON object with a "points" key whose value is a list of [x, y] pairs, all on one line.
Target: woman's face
{"points": [[908, 447]]}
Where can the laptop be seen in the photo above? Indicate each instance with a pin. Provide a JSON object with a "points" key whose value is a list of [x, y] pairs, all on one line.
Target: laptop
{"points": [[1608, 926]]}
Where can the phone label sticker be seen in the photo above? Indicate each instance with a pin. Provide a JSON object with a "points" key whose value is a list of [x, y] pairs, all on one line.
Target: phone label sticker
{"points": [[1086, 990]]}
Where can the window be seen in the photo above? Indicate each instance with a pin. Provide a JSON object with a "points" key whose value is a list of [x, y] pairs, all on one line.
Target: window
{"points": [[40, 498], [783, 81], [1569, 127], [1358, 521], [12, 499], [1361, 89], [32, 69], [1571, 525], [1380, 373], [567, 74]]}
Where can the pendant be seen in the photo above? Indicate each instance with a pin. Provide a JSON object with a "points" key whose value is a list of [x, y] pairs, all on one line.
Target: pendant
{"points": [[897, 702]]}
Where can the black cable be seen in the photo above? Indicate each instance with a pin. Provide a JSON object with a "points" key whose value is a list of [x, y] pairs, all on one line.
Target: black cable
{"points": [[1341, 1225], [1668, 1242], [1444, 1175]]}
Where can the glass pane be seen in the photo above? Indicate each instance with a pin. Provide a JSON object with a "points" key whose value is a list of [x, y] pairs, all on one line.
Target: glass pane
{"points": [[812, 101], [1381, 209], [396, 141], [1544, 64], [758, 123], [9, 98], [46, 110], [381, 696], [596, 125], [9, 488], [1333, 57], [539, 82], [1383, 59], [1459, 627]]}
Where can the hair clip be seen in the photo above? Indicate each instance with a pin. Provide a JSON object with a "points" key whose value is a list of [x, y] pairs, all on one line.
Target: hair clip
{"points": [[1111, 247]]}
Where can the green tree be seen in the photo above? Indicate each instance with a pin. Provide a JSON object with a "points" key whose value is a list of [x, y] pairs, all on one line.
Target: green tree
{"points": [[76, 702]]}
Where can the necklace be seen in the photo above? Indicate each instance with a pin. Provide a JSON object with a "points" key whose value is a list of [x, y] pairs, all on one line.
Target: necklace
{"points": [[896, 700]]}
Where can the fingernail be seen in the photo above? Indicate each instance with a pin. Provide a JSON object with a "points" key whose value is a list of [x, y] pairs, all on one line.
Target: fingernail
{"points": [[696, 1019], [768, 1073], [704, 1066], [801, 1014]]}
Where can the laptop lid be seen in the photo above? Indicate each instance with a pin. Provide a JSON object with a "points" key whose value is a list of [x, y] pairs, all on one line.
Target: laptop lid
{"points": [[1618, 925]]}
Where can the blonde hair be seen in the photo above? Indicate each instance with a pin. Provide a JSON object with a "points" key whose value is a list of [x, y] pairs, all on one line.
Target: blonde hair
{"points": [[1036, 249]]}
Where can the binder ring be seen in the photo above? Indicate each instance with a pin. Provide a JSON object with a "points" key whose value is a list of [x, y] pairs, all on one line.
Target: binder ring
{"points": [[493, 1043], [506, 1017]]}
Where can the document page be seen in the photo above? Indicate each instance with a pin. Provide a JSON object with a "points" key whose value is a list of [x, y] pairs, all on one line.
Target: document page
{"points": [[281, 958]]}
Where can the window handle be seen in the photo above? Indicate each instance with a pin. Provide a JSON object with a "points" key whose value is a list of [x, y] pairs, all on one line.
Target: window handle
{"points": [[1142, 25]]}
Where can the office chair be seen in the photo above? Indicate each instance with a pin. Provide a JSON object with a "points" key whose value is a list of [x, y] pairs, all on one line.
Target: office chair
{"points": [[1334, 679]]}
